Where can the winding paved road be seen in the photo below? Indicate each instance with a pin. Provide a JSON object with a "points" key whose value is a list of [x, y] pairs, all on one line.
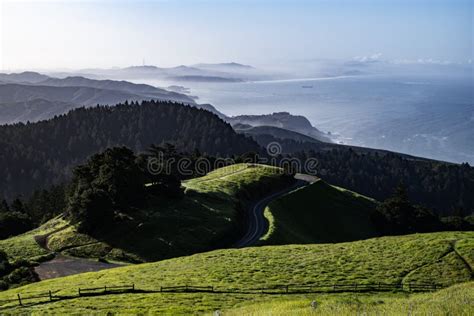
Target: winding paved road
{"points": [[258, 224]]}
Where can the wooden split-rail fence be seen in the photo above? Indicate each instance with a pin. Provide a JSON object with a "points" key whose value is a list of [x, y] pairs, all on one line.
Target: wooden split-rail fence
{"points": [[24, 298]]}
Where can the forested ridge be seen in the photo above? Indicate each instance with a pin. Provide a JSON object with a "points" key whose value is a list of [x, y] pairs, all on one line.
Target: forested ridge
{"points": [[444, 187], [38, 155]]}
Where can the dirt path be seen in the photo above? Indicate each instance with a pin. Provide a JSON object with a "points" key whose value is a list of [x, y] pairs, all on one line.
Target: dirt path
{"points": [[42, 240], [62, 265]]}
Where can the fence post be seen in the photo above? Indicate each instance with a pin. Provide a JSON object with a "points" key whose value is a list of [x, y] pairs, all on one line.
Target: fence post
{"points": [[79, 291], [105, 288], [161, 289], [50, 296], [287, 289], [379, 286], [19, 299], [133, 287]]}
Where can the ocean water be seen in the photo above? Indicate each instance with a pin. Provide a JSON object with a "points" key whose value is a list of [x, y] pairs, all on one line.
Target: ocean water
{"points": [[424, 116]]}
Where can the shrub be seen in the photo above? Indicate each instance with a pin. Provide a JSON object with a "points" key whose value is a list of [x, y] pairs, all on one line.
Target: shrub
{"points": [[3, 285], [14, 223], [22, 275], [4, 264]]}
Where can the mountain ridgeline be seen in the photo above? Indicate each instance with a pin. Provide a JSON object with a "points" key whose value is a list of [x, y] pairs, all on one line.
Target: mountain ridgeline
{"points": [[25, 101], [38, 155]]}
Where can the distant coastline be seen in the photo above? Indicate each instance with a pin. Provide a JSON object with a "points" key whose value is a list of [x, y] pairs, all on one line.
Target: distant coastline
{"points": [[306, 79]]}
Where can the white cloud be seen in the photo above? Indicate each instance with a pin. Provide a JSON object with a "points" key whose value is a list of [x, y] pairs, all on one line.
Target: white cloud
{"points": [[368, 59], [423, 61]]}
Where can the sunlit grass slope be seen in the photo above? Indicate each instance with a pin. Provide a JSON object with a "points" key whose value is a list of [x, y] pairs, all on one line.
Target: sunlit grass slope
{"points": [[398, 259], [25, 247], [320, 213], [455, 300]]}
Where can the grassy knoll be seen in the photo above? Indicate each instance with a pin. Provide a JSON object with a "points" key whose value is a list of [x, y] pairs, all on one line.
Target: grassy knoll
{"points": [[397, 259], [205, 218], [320, 213]]}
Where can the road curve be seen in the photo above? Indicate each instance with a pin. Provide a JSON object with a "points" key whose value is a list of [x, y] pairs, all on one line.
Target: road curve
{"points": [[257, 223]]}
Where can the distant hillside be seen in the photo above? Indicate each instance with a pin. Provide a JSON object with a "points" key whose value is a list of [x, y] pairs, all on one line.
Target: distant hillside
{"points": [[50, 98], [290, 142], [232, 68], [285, 120], [320, 213], [203, 79], [33, 110], [125, 86], [173, 73], [79, 95], [231, 65], [40, 154], [23, 77], [153, 71], [54, 96], [258, 132]]}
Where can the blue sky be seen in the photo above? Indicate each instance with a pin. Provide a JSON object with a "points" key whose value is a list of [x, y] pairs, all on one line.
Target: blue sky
{"points": [[81, 34]]}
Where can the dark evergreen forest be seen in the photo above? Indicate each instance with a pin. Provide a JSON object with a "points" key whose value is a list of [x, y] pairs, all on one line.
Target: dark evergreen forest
{"points": [[39, 155]]}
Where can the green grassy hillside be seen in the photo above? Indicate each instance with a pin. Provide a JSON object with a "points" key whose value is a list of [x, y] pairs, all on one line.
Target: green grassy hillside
{"points": [[319, 213], [25, 247], [205, 218], [456, 300], [433, 257]]}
